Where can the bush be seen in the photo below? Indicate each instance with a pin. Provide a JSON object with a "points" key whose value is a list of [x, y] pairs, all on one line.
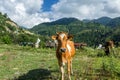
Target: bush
{"points": [[6, 39], [112, 65], [100, 53], [90, 51]]}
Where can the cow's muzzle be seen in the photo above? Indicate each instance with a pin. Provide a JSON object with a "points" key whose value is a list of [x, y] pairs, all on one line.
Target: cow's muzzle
{"points": [[62, 49]]}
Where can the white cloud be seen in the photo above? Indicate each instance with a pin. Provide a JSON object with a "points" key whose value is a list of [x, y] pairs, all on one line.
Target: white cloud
{"points": [[25, 12], [28, 12], [20, 9], [112, 6], [86, 8]]}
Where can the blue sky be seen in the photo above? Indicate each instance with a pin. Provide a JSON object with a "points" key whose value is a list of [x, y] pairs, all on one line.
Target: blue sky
{"points": [[29, 13], [47, 4]]}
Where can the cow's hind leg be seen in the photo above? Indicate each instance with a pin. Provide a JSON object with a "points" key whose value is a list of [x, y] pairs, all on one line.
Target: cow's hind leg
{"points": [[71, 71]]}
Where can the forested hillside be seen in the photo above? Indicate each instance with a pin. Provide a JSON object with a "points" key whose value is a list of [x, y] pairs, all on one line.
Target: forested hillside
{"points": [[90, 32], [10, 32]]}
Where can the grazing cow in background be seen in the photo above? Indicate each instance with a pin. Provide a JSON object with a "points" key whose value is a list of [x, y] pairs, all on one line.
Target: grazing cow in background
{"points": [[109, 45], [65, 52], [50, 44], [79, 45], [26, 44], [37, 43], [100, 46]]}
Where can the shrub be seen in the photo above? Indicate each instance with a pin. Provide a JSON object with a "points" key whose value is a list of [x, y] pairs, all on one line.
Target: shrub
{"points": [[6, 39]]}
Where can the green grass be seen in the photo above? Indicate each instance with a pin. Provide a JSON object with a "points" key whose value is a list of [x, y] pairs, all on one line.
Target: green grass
{"points": [[26, 63]]}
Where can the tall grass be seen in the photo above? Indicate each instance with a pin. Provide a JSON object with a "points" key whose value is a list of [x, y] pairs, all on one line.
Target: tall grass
{"points": [[26, 63]]}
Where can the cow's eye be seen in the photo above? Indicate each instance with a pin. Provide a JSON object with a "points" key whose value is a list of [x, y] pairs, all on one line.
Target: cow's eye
{"points": [[57, 37]]}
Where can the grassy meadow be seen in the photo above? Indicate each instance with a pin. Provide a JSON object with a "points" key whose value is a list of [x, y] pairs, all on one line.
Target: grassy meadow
{"points": [[26, 63]]}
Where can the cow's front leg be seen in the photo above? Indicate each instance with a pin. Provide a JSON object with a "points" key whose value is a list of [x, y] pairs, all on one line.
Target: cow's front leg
{"points": [[62, 72], [69, 69], [61, 69]]}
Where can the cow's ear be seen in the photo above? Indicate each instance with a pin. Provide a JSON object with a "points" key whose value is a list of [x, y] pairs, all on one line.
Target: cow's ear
{"points": [[54, 37], [70, 37]]}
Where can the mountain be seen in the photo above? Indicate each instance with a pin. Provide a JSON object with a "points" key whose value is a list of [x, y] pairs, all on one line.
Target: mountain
{"points": [[106, 21], [62, 21], [83, 32], [103, 20], [86, 20], [115, 22], [10, 32], [45, 28], [9, 26], [111, 22], [91, 32]]}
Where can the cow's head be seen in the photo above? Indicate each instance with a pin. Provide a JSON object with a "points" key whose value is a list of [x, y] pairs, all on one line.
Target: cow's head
{"points": [[62, 39]]}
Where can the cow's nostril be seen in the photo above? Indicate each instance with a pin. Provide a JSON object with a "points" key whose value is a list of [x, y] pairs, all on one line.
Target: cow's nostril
{"points": [[62, 49]]}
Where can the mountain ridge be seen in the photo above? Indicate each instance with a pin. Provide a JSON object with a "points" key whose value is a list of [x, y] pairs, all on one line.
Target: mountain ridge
{"points": [[92, 32], [106, 21]]}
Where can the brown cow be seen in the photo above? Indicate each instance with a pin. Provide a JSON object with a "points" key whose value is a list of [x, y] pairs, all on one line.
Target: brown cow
{"points": [[79, 45], [65, 52], [109, 45]]}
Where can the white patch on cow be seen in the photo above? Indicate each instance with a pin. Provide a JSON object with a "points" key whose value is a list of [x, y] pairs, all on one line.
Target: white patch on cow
{"points": [[69, 48], [62, 35], [56, 42], [63, 64]]}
